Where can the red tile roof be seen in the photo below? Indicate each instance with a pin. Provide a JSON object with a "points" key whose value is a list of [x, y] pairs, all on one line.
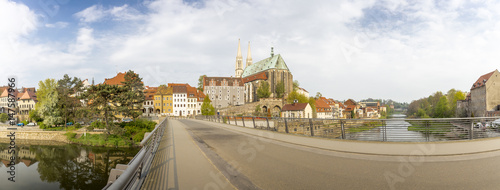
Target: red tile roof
{"points": [[482, 80], [350, 102], [294, 107], [258, 76], [222, 81], [28, 95], [117, 80], [322, 106], [149, 92], [5, 93]]}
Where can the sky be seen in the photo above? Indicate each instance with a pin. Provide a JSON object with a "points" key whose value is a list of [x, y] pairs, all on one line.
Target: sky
{"points": [[399, 50]]}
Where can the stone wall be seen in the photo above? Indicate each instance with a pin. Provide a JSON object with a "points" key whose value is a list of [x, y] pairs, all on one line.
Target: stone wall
{"points": [[37, 135], [493, 92], [478, 101]]}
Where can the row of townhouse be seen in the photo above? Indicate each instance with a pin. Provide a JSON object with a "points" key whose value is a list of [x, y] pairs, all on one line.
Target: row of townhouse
{"points": [[327, 108], [175, 100], [25, 100]]}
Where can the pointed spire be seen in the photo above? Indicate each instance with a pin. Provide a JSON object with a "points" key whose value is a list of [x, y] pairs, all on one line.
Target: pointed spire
{"points": [[249, 56], [239, 62], [239, 49]]}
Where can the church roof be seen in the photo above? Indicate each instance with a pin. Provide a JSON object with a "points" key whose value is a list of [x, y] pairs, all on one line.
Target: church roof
{"points": [[274, 62]]}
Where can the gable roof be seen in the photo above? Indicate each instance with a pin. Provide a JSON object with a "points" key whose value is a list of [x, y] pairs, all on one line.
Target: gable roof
{"points": [[149, 92], [5, 93], [481, 81], [295, 107], [117, 80], [28, 95], [258, 76], [274, 62]]}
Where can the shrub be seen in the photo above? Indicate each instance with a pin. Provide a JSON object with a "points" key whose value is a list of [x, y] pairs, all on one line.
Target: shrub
{"points": [[98, 125]]}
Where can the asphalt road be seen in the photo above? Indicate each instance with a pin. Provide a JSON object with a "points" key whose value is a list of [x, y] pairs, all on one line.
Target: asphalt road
{"points": [[251, 162]]}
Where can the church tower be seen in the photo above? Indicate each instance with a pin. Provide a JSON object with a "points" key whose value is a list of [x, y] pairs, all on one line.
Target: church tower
{"points": [[249, 56], [239, 62]]}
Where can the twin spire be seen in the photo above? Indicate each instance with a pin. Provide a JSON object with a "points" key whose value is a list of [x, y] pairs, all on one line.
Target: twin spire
{"points": [[239, 60]]}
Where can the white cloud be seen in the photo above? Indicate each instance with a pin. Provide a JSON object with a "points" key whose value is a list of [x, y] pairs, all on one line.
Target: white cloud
{"points": [[97, 13], [91, 14], [58, 25], [84, 42], [402, 50]]}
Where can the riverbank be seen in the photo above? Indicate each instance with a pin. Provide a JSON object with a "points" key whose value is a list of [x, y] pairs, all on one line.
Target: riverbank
{"points": [[58, 136]]}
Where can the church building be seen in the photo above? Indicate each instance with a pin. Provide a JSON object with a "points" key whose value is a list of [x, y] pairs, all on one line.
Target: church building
{"points": [[273, 70]]}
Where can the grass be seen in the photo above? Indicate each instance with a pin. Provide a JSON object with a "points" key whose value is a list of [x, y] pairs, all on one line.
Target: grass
{"points": [[431, 127], [99, 140], [364, 127]]}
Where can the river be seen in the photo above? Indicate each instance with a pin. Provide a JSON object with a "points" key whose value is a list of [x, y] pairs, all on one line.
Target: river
{"points": [[396, 130], [64, 166]]}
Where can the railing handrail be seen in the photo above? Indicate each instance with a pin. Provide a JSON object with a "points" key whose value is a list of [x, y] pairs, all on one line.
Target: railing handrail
{"points": [[134, 166], [430, 129], [365, 119]]}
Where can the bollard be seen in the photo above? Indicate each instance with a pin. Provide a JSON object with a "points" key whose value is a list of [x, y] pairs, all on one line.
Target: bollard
{"points": [[253, 119], [243, 120], [228, 121]]}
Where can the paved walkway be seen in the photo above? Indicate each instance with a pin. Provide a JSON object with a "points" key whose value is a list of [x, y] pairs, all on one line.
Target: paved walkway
{"points": [[180, 164]]}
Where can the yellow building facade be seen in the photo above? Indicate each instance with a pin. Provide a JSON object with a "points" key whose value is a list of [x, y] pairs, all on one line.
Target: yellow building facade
{"points": [[163, 102]]}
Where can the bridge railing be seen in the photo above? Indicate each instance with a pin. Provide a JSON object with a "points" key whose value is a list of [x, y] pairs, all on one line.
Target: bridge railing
{"points": [[132, 175], [396, 129]]}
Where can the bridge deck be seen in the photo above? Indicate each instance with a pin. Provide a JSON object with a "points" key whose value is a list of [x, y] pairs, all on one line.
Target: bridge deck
{"points": [[180, 164]]}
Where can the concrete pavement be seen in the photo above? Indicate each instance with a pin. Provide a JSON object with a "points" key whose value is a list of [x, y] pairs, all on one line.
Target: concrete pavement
{"points": [[180, 164], [279, 161]]}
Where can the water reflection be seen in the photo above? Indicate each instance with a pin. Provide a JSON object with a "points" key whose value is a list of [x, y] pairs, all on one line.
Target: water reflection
{"points": [[395, 129], [61, 167]]}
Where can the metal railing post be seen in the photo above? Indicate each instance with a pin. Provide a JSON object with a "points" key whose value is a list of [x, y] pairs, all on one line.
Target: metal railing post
{"points": [[253, 119], [243, 120], [268, 123], [286, 126], [312, 127], [342, 130], [471, 131], [228, 120]]}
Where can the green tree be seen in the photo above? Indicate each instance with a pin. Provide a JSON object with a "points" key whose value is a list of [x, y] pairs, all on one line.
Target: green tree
{"points": [[47, 106], [67, 89], [296, 85], [206, 107], [33, 115], [200, 82], [312, 103], [280, 90], [441, 110], [4, 117], [257, 110], [296, 96], [263, 90], [421, 113], [132, 97], [104, 100], [318, 95]]}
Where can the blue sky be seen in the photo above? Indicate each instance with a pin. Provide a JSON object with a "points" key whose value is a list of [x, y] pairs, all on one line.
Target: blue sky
{"points": [[400, 50]]}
